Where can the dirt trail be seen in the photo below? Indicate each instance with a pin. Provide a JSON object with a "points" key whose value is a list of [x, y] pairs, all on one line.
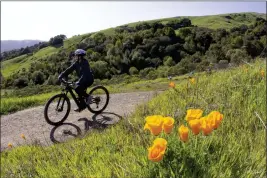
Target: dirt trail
{"points": [[32, 124]]}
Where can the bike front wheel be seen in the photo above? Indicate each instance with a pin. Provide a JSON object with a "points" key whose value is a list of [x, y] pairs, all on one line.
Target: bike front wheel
{"points": [[99, 99], [61, 104]]}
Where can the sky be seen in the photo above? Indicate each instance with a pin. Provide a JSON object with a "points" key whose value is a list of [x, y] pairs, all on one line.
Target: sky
{"points": [[45, 19]]}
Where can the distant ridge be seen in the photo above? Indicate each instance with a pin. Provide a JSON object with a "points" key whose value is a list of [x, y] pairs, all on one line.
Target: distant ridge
{"points": [[7, 45]]}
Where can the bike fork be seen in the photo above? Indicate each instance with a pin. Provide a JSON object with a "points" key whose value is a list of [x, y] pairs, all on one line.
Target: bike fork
{"points": [[61, 108]]}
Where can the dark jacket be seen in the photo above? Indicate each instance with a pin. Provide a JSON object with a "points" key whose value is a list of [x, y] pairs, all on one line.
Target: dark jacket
{"points": [[83, 71]]}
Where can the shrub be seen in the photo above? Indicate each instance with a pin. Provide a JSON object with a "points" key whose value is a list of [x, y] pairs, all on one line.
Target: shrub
{"points": [[21, 82], [133, 71], [38, 77]]}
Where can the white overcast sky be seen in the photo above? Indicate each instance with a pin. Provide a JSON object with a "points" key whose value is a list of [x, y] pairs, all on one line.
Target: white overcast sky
{"points": [[42, 20]]}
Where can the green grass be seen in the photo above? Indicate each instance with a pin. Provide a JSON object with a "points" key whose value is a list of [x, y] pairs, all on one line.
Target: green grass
{"points": [[45, 51], [109, 31], [235, 149], [219, 21], [10, 66], [13, 104]]}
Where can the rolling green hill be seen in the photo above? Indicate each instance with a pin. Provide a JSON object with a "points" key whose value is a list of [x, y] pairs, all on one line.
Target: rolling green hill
{"points": [[108, 57], [226, 21]]}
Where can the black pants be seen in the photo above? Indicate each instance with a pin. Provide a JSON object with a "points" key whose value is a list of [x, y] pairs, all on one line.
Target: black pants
{"points": [[81, 91]]}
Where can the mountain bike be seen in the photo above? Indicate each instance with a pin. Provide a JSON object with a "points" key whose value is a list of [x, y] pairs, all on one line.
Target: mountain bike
{"points": [[60, 100]]}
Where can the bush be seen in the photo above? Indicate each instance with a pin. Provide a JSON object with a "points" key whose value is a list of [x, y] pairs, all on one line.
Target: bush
{"points": [[38, 77], [152, 75], [143, 73], [133, 71], [236, 56], [21, 82], [177, 70], [168, 61], [162, 71]]}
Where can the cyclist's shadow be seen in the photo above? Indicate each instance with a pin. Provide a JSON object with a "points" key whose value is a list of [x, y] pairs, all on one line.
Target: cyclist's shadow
{"points": [[98, 122]]}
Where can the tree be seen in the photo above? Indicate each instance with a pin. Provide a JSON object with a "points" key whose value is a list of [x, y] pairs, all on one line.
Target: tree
{"points": [[99, 68], [204, 37], [184, 32], [154, 62], [186, 22], [99, 37], [253, 48], [26, 50], [237, 42], [189, 45], [169, 31], [63, 36], [168, 61], [219, 34], [236, 56], [38, 77], [57, 40], [21, 82], [215, 53], [143, 73], [138, 60], [142, 26], [95, 56], [43, 45]]}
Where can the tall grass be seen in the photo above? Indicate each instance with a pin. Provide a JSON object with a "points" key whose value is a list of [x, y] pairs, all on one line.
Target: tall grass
{"points": [[235, 149], [13, 104]]}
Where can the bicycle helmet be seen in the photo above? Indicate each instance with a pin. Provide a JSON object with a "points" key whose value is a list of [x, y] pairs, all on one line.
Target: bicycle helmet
{"points": [[80, 52]]}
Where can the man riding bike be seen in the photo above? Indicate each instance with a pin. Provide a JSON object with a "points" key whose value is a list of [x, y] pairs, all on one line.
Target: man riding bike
{"points": [[86, 77]]}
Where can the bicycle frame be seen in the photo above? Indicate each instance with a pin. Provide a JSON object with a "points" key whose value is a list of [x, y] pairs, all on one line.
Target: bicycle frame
{"points": [[69, 89]]}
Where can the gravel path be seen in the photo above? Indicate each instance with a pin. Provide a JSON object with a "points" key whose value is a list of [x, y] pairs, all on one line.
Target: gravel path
{"points": [[32, 124]]}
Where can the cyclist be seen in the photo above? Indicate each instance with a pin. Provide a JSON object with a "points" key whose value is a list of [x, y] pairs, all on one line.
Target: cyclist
{"points": [[85, 74]]}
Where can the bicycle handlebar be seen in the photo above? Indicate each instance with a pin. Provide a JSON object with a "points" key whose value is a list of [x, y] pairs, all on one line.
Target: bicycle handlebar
{"points": [[66, 82]]}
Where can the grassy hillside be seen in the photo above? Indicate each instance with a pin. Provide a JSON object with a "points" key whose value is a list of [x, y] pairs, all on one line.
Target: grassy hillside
{"points": [[235, 149], [225, 21], [14, 65], [209, 21]]}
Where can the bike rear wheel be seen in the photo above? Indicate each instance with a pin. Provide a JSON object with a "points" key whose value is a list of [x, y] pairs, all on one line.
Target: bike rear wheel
{"points": [[96, 99], [60, 100]]}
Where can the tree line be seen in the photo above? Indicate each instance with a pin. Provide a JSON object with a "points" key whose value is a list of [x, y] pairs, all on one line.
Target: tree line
{"points": [[150, 50]]}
